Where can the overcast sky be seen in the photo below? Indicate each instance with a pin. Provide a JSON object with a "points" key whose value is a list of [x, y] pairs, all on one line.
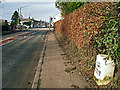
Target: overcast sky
{"points": [[42, 9], [28, 0]]}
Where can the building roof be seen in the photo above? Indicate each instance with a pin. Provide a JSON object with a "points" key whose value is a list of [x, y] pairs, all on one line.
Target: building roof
{"points": [[25, 19]]}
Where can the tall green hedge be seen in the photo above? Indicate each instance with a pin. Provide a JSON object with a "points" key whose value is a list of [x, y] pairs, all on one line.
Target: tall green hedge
{"points": [[108, 41], [68, 7]]}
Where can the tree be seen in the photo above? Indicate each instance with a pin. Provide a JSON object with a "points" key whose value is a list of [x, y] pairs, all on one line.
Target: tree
{"points": [[68, 7], [15, 19]]}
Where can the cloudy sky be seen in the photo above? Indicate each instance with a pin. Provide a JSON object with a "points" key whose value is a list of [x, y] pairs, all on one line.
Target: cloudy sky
{"points": [[28, 0], [38, 9]]}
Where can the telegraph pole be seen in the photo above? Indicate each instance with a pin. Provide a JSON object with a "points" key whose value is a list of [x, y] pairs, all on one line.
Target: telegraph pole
{"points": [[20, 13], [18, 16], [49, 22], [20, 10]]}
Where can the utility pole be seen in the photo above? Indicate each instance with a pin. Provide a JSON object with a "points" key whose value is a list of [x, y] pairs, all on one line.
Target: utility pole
{"points": [[20, 13], [20, 10], [49, 22], [18, 16]]}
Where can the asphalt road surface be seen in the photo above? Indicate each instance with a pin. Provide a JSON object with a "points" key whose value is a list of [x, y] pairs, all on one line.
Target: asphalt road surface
{"points": [[20, 58]]}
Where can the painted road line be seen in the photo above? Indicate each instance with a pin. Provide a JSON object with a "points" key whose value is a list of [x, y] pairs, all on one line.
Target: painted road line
{"points": [[6, 43], [3, 42]]}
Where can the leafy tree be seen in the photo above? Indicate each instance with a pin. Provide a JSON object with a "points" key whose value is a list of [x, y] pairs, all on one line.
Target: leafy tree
{"points": [[15, 19], [67, 7]]}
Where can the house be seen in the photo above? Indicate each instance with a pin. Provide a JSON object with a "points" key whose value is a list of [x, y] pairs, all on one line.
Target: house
{"points": [[27, 22], [57, 17]]}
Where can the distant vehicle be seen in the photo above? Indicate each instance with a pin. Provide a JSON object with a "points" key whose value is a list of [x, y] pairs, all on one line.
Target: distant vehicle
{"points": [[26, 26], [43, 26], [19, 26], [35, 26]]}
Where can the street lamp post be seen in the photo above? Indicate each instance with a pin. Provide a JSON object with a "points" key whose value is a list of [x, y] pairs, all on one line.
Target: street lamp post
{"points": [[49, 23], [20, 10], [20, 13], [18, 16]]}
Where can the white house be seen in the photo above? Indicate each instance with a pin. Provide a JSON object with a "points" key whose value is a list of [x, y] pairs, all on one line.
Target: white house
{"points": [[57, 17]]}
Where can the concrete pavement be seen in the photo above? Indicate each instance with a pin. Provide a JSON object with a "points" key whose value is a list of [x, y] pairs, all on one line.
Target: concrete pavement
{"points": [[53, 73]]}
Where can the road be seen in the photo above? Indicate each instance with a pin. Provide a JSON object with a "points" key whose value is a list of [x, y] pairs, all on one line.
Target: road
{"points": [[20, 58]]}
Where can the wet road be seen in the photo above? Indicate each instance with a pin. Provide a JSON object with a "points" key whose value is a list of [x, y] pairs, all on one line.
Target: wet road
{"points": [[20, 58]]}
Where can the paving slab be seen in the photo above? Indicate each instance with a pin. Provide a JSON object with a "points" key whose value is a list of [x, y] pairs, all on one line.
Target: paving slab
{"points": [[53, 73]]}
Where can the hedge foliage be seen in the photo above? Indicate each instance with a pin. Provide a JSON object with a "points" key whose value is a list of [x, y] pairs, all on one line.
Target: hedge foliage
{"points": [[108, 40], [68, 7], [94, 27]]}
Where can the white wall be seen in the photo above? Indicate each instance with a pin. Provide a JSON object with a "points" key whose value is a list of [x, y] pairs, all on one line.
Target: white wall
{"points": [[57, 18]]}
